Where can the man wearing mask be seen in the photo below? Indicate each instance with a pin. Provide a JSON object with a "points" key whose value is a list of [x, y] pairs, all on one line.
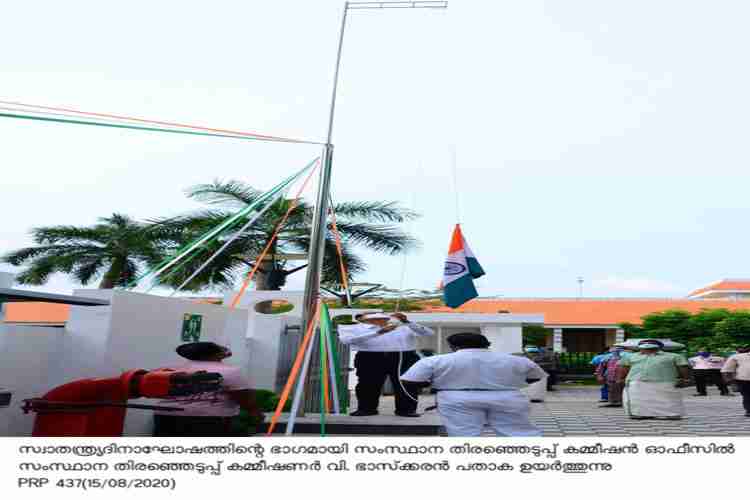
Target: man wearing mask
{"points": [[478, 387], [707, 370], [386, 348], [737, 370], [652, 380]]}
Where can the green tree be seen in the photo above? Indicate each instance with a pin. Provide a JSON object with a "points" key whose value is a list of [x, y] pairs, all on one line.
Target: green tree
{"points": [[672, 324], [535, 335], [115, 249], [703, 323], [373, 225], [632, 331], [735, 327]]}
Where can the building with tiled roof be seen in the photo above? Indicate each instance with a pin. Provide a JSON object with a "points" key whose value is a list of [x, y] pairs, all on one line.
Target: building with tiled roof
{"points": [[574, 324], [728, 289], [589, 325]]}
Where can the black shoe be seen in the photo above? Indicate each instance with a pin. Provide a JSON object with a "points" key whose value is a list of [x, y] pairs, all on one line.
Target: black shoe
{"points": [[610, 405], [699, 394], [362, 413], [747, 414], [413, 414], [537, 401]]}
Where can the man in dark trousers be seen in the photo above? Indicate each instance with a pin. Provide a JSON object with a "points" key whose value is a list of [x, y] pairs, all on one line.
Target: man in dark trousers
{"points": [[386, 348], [737, 371], [707, 370]]}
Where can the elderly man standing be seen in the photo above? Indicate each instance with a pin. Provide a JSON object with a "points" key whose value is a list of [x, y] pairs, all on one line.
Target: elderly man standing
{"points": [[652, 379], [478, 387], [737, 370], [386, 348]]}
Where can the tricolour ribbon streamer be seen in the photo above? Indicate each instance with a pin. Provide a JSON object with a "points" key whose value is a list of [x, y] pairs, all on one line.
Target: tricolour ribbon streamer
{"points": [[326, 329], [292, 375], [276, 232], [213, 233], [302, 378], [230, 240]]}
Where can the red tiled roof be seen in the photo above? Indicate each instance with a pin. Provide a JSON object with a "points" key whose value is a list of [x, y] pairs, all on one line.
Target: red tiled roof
{"points": [[723, 285], [584, 312], [587, 312]]}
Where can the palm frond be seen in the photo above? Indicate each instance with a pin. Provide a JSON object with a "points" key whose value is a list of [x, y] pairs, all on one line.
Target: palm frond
{"points": [[88, 270], [230, 193], [71, 235], [377, 237], [374, 211]]}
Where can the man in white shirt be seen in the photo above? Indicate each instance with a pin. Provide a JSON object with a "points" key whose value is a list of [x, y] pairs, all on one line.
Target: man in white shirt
{"points": [[478, 387], [385, 347], [707, 370], [207, 414], [737, 370]]}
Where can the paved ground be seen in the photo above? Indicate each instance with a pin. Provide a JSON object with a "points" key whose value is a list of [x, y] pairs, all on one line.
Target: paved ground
{"points": [[575, 411]]}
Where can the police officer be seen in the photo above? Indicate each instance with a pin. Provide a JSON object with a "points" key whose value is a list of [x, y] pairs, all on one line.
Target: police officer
{"points": [[478, 387]]}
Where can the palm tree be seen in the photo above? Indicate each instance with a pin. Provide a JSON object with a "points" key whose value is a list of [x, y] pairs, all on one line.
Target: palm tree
{"points": [[116, 248], [371, 225]]}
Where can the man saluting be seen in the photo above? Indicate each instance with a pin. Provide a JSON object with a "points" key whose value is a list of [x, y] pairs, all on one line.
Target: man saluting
{"points": [[385, 347]]}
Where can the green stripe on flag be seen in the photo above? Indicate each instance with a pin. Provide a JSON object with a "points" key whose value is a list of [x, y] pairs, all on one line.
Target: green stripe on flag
{"points": [[475, 269], [459, 291]]}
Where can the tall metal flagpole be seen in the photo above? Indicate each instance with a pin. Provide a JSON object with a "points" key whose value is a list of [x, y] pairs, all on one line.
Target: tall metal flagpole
{"points": [[317, 238]]}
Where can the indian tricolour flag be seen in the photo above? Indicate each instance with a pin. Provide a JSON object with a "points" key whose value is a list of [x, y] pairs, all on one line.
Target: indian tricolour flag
{"points": [[461, 269]]}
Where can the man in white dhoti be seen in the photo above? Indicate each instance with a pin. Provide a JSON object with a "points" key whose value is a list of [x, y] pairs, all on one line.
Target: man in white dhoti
{"points": [[652, 380], [477, 387]]}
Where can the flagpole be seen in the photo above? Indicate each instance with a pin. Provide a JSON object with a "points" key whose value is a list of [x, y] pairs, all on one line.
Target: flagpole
{"points": [[317, 238]]}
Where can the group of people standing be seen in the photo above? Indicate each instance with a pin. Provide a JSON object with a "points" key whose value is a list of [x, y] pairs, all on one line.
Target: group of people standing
{"points": [[476, 387], [646, 381]]}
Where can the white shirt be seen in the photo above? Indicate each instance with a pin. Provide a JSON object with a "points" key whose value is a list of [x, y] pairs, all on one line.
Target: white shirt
{"points": [[208, 404], [739, 364], [363, 337], [474, 369], [709, 363]]}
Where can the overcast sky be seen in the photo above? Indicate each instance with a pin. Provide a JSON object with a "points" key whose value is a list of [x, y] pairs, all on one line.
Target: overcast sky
{"points": [[599, 139]]}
